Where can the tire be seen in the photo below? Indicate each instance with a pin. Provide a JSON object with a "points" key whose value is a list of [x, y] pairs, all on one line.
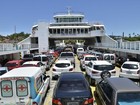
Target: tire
{"points": [[105, 74]]}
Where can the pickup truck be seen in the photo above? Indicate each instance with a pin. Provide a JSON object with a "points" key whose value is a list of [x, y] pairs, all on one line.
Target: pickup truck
{"points": [[69, 56]]}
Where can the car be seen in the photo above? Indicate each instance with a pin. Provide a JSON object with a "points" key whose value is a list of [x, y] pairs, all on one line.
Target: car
{"points": [[72, 88], [14, 64], [79, 50], [44, 59], [86, 59], [69, 56], [3, 70], [95, 68], [34, 64], [61, 66], [110, 57], [117, 91], [131, 70], [24, 86], [28, 57]]}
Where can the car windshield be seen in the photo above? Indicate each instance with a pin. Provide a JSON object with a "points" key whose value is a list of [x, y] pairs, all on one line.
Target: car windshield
{"points": [[103, 67], [128, 98], [68, 85], [62, 64], [90, 58], [130, 66]]}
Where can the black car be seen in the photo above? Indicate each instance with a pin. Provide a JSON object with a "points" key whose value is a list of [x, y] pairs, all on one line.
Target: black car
{"points": [[117, 91], [72, 89]]}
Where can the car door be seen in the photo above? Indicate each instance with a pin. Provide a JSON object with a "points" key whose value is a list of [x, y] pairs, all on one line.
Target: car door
{"points": [[106, 93], [14, 91]]}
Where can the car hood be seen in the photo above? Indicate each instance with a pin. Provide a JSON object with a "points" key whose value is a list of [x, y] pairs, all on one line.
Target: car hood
{"points": [[129, 103]]}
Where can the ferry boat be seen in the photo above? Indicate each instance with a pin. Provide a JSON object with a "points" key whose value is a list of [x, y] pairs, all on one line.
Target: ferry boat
{"points": [[69, 26]]}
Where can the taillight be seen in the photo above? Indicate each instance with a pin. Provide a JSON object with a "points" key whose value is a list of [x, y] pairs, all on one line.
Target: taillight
{"points": [[71, 69], [54, 69], [89, 101], [56, 101], [35, 103], [94, 72], [138, 72]]}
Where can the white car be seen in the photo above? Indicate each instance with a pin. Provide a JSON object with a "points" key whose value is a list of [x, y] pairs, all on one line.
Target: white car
{"points": [[61, 66], [95, 68], [35, 64], [3, 70], [130, 69], [86, 59]]}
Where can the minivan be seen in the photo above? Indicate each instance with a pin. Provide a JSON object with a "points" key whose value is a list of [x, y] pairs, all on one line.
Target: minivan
{"points": [[44, 59], [24, 86], [110, 58]]}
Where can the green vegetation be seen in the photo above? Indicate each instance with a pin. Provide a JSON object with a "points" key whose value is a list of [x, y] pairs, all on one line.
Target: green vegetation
{"points": [[14, 38]]}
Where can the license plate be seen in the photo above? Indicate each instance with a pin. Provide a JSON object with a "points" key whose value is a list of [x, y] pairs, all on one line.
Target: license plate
{"points": [[129, 72], [72, 103]]}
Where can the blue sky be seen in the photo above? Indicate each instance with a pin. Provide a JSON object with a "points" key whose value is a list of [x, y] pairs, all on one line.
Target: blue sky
{"points": [[118, 16]]}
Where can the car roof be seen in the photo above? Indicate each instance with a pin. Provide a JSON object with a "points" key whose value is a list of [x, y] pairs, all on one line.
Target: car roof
{"points": [[22, 72], [123, 84], [131, 62], [12, 61], [63, 61], [100, 62], [31, 62], [71, 75], [3, 68], [89, 55], [42, 55]]}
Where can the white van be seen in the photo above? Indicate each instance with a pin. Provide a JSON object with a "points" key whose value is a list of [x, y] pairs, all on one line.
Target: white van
{"points": [[109, 57], [24, 86], [80, 50], [44, 59]]}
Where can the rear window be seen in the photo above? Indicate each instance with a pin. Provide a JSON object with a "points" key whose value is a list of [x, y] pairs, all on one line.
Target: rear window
{"points": [[22, 88], [37, 58], [90, 58], [104, 67], [62, 65], [130, 66], [28, 56], [67, 54], [11, 64], [133, 97], [6, 88], [109, 57], [2, 72], [72, 85], [44, 58]]}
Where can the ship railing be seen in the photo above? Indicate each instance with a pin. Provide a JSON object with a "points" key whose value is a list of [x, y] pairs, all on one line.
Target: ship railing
{"points": [[129, 45], [13, 46]]}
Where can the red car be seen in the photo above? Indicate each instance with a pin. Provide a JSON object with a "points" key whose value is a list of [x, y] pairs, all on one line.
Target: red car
{"points": [[14, 64]]}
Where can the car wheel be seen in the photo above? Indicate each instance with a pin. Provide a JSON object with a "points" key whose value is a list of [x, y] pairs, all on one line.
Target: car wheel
{"points": [[105, 74]]}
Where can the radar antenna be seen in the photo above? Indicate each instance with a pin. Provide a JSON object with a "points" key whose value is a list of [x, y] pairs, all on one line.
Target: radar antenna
{"points": [[69, 10]]}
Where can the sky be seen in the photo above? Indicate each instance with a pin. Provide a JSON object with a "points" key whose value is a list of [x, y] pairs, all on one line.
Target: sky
{"points": [[118, 16]]}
